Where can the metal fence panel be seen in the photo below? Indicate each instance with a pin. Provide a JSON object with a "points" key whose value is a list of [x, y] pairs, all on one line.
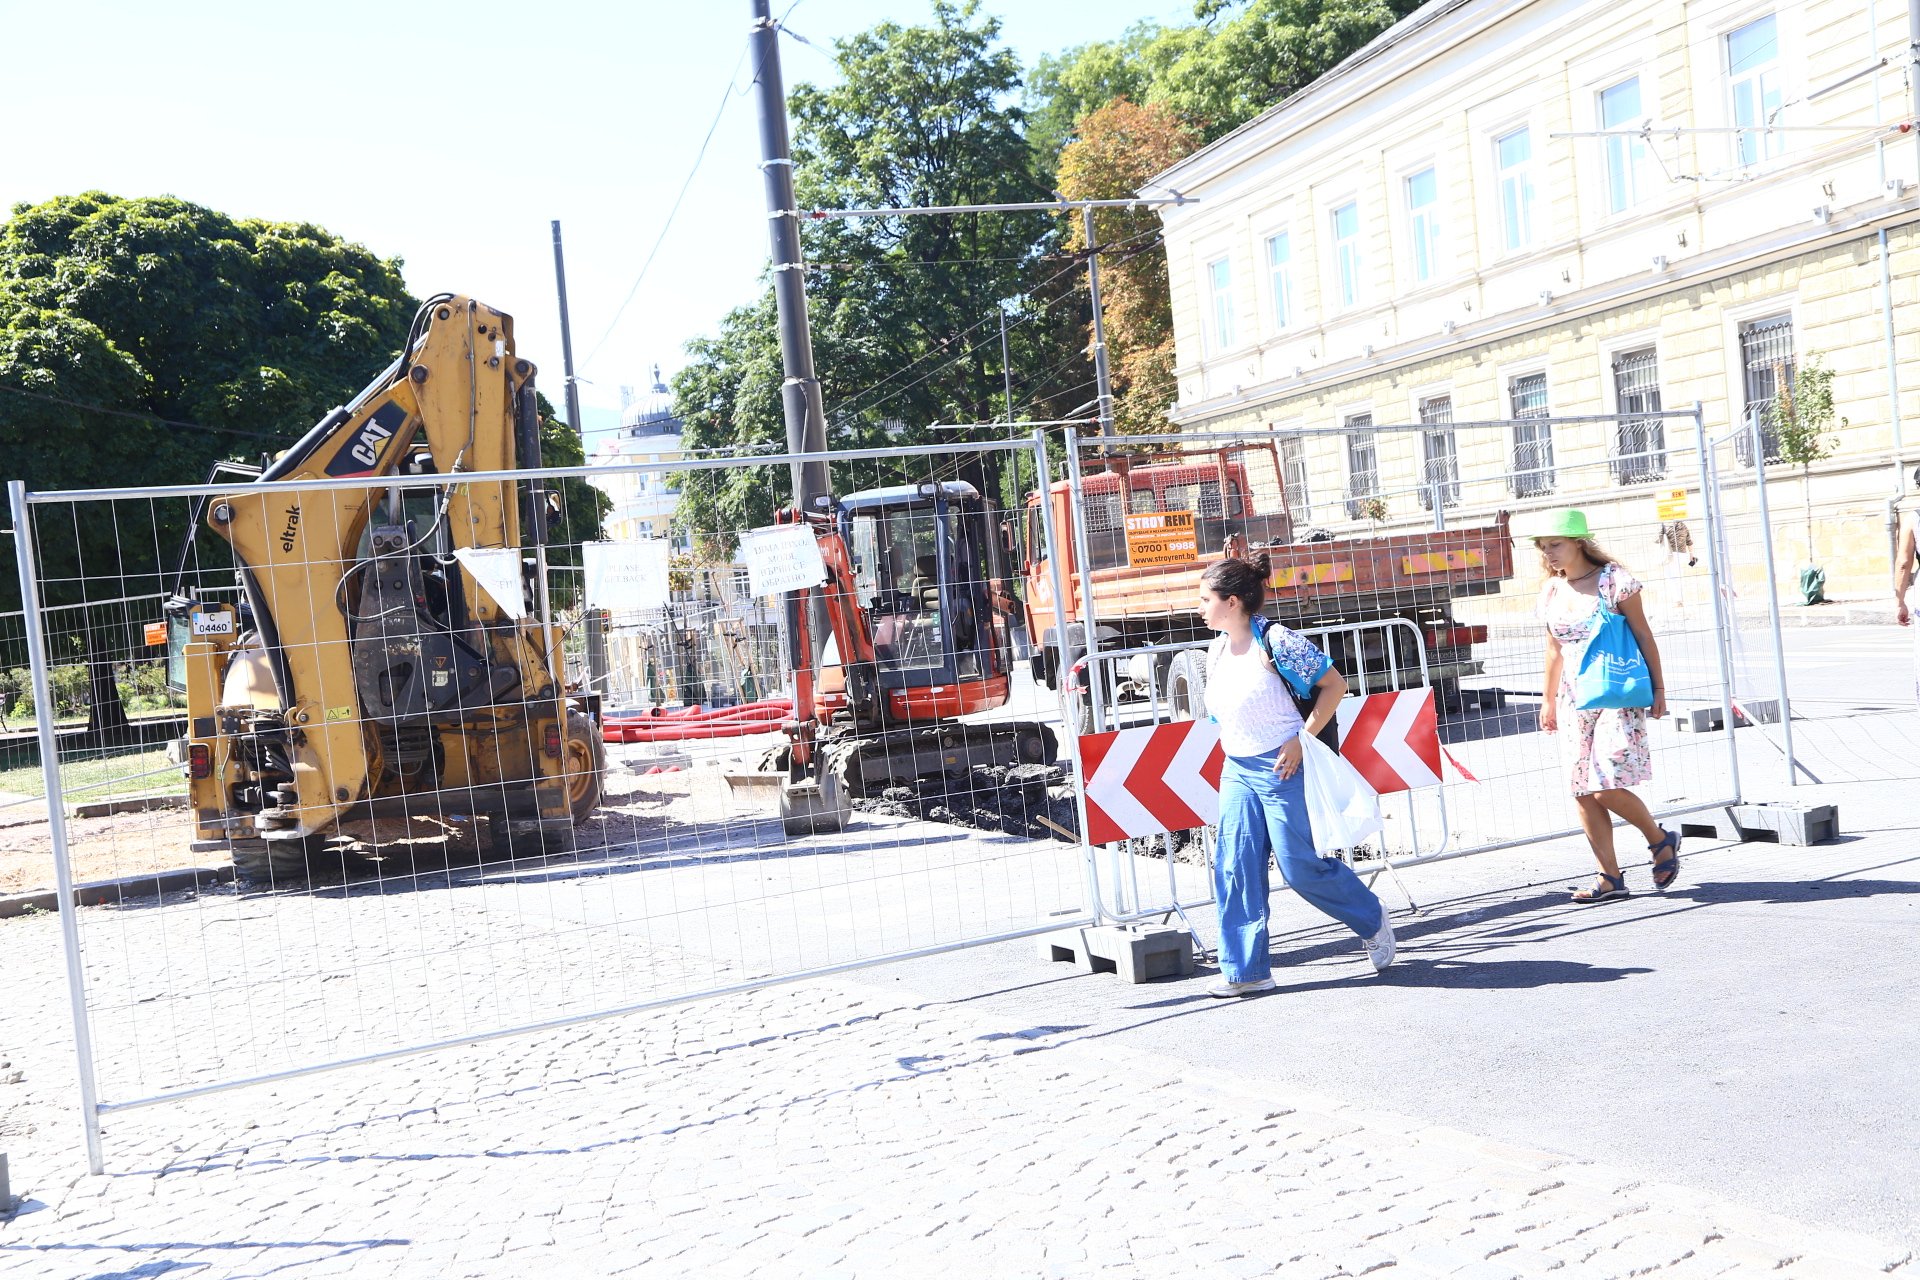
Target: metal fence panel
{"points": [[1463, 585], [682, 881]]}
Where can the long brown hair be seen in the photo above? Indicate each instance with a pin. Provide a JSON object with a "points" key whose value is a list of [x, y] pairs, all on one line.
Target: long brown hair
{"points": [[1593, 551], [1246, 579]]}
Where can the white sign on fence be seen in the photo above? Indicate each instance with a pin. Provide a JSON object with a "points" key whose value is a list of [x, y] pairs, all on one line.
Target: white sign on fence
{"points": [[497, 570], [782, 558], [624, 576]]}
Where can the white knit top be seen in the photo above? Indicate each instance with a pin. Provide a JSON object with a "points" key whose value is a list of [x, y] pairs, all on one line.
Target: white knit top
{"points": [[1253, 705]]}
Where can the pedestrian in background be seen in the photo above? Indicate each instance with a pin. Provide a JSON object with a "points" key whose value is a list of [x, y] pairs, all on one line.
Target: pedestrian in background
{"points": [[1604, 752], [1263, 793], [1904, 602]]}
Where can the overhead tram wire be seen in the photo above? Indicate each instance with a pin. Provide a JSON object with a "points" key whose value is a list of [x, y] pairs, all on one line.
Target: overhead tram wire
{"points": [[1070, 269], [726, 98], [140, 416], [851, 403]]}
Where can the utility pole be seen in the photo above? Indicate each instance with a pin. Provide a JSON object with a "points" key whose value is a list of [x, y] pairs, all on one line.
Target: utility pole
{"points": [[566, 339], [800, 392], [1102, 386]]}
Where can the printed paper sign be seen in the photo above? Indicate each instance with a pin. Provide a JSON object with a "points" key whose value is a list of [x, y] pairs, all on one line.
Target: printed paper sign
{"points": [[497, 570], [1161, 537], [783, 558], [1671, 505], [624, 576]]}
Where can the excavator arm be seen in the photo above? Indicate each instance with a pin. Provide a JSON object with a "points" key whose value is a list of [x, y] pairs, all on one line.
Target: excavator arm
{"points": [[393, 670]]}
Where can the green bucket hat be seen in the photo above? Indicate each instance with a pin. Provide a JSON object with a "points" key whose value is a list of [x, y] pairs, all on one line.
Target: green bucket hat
{"points": [[1563, 523]]}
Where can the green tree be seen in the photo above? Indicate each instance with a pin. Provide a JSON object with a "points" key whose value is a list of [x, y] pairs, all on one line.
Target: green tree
{"points": [[142, 339], [1121, 145], [1065, 87], [1213, 76], [1799, 420], [581, 506], [904, 312]]}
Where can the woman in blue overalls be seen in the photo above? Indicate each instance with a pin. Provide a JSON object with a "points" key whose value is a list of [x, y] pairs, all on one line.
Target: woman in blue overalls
{"points": [[1263, 802]]}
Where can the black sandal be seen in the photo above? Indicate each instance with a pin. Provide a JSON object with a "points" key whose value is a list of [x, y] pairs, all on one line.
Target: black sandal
{"points": [[1669, 869], [1609, 887]]}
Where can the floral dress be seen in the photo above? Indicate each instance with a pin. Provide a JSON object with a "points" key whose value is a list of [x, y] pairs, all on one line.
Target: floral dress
{"points": [[1606, 748]]}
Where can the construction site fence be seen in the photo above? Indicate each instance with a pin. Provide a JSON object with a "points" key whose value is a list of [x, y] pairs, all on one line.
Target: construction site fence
{"points": [[1505, 782], [680, 883]]}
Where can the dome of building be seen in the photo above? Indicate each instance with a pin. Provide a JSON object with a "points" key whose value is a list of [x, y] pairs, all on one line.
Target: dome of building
{"points": [[650, 414]]}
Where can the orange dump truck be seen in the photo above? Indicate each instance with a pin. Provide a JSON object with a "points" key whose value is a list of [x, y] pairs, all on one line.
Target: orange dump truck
{"points": [[1153, 525]]}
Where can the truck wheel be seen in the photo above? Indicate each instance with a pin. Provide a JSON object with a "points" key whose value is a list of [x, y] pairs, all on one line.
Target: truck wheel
{"points": [[1080, 707], [1187, 685], [586, 765]]}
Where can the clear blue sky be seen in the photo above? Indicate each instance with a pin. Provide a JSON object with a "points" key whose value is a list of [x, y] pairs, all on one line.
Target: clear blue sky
{"points": [[450, 135]]}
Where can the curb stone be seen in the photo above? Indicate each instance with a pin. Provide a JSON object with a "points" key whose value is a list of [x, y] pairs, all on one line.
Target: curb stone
{"points": [[96, 893]]}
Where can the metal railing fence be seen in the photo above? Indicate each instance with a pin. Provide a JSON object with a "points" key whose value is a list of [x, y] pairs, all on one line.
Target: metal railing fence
{"points": [[425, 904]]}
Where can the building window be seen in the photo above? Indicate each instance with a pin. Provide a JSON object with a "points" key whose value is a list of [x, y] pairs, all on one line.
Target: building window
{"points": [[1423, 224], [1280, 269], [1293, 474], [1220, 289], [1753, 77], [1626, 156], [1363, 468], [1439, 455], [1514, 152], [1766, 355], [1346, 248], [1640, 444], [1532, 436]]}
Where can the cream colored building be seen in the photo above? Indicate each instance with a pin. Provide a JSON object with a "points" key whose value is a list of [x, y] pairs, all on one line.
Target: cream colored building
{"points": [[1503, 209], [644, 501]]}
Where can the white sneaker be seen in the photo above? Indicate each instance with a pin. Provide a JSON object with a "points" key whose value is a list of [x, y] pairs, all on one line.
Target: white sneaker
{"points": [[1221, 989], [1380, 947]]}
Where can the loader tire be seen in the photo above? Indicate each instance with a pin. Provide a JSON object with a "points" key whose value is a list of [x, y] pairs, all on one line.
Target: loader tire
{"points": [[586, 765], [287, 864]]}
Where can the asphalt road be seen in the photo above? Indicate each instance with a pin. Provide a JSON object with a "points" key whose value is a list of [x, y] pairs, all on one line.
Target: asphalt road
{"points": [[1750, 1033]]}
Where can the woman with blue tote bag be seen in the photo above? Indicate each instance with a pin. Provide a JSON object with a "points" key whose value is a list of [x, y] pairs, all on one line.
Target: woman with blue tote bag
{"points": [[1602, 678]]}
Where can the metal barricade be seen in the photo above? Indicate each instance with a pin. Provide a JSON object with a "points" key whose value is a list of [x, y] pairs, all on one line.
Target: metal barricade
{"points": [[425, 905], [1472, 612]]}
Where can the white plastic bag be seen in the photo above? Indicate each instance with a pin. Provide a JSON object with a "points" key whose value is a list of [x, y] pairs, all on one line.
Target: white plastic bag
{"points": [[1342, 806]]}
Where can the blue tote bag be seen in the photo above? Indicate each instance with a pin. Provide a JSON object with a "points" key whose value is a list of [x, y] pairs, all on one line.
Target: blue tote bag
{"points": [[1612, 673]]}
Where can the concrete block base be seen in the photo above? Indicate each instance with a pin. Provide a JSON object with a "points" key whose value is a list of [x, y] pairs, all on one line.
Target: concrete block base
{"points": [[1137, 952], [1708, 719], [1777, 823]]}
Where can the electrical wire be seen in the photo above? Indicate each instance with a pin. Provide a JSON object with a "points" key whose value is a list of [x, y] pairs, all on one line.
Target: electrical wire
{"points": [[144, 417], [847, 407], [699, 158]]}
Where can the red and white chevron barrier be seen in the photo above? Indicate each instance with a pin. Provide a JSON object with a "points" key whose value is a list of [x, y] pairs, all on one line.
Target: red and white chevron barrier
{"points": [[1392, 739], [1141, 782]]}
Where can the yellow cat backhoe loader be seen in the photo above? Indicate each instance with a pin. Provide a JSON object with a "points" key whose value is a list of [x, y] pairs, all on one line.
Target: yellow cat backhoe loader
{"points": [[366, 675]]}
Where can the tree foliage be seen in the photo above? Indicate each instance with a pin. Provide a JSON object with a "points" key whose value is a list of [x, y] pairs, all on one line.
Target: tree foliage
{"points": [[158, 333], [1120, 146], [1213, 76], [904, 311]]}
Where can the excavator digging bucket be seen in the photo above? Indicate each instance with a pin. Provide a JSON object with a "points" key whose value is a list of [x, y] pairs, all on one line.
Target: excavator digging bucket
{"points": [[815, 806]]}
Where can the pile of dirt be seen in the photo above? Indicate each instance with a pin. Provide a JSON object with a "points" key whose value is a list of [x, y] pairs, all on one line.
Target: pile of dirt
{"points": [[1010, 799]]}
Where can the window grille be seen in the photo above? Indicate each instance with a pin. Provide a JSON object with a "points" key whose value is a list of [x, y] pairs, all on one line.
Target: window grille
{"points": [[1640, 444], [1293, 471], [1766, 355], [1363, 467], [1532, 437], [1440, 456]]}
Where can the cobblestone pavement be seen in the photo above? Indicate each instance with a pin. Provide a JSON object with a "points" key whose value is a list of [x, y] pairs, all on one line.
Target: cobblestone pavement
{"points": [[824, 1129]]}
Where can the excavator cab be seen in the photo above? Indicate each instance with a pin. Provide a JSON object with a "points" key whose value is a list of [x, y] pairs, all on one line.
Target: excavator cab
{"points": [[928, 573]]}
